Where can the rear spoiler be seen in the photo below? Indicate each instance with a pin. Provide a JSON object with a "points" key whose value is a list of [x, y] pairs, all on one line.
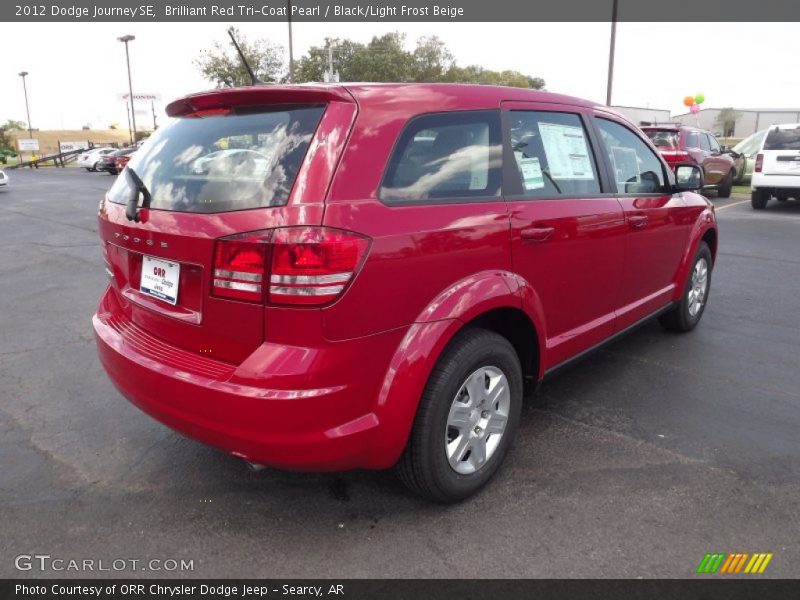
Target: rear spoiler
{"points": [[208, 102]]}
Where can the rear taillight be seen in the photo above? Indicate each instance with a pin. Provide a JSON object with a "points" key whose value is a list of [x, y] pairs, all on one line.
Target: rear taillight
{"points": [[759, 163], [676, 155], [239, 266], [312, 265], [305, 265]]}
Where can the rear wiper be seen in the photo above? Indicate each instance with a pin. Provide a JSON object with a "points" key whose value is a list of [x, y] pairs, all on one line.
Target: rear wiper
{"points": [[132, 208]]}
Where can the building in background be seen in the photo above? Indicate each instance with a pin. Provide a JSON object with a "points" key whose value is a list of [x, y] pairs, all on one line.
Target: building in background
{"points": [[644, 116], [749, 121]]}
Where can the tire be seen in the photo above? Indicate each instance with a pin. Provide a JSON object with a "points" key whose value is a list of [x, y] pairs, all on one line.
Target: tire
{"points": [[724, 189], [483, 358], [759, 199], [687, 314], [94, 168]]}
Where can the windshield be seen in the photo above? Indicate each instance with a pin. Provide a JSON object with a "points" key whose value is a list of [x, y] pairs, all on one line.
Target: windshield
{"points": [[751, 144], [246, 159], [663, 138], [783, 139]]}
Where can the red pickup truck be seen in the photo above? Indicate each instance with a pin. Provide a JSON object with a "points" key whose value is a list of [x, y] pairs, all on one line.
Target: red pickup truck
{"points": [[688, 145]]}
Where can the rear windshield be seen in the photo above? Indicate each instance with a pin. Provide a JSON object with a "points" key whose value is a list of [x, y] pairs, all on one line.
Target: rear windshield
{"points": [[783, 139], [663, 138], [246, 159]]}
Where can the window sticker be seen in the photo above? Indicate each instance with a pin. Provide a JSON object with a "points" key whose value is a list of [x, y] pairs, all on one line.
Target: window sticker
{"points": [[626, 165], [567, 151], [532, 177]]}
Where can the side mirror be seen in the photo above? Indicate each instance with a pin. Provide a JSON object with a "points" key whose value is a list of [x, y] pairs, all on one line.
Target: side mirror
{"points": [[688, 178]]}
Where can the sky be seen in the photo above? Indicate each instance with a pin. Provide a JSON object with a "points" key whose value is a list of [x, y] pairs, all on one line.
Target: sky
{"points": [[744, 65]]}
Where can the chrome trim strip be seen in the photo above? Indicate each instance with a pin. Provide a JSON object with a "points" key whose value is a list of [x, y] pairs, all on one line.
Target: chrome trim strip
{"points": [[237, 275], [236, 285], [330, 290], [311, 279]]}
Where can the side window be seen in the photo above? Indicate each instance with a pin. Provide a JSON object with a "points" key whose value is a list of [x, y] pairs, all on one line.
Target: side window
{"points": [[704, 143], [636, 169], [692, 140], [712, 141], [445, 156], [552, 154]]}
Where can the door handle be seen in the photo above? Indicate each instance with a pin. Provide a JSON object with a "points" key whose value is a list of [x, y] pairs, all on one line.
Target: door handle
{"points": [[536, 234], [637, 221]]}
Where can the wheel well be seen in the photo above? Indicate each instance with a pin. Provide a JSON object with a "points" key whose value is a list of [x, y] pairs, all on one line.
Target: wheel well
{"points": [[514, 325], [710, 238]]}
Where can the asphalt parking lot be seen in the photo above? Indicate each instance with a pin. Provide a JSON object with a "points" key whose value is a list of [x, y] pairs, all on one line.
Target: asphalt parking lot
{"points": [[634, 463]]}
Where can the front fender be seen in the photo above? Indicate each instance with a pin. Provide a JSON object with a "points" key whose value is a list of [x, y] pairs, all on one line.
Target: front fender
{"points": [[412, 363], [704, 223]]}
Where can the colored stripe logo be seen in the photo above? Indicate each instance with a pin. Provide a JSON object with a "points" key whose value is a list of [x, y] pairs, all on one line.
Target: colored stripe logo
{"points": [[737, 562]]}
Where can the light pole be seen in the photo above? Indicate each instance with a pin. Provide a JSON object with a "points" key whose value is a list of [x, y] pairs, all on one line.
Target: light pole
{"points": [[125, 39], [291, 51], [611, 53], [24, 74]]}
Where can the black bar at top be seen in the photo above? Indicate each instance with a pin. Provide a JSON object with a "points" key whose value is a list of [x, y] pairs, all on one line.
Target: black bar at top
{"points": [[402, 11]]}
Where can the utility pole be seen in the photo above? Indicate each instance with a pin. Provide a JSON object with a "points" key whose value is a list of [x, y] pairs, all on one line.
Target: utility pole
{"points": [[291, 50], [153, 108], [24, 74], [125, 39], [128, 114], [611, 52]]}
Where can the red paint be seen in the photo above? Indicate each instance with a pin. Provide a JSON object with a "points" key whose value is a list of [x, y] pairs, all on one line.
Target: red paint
{"points": [[335, 385]]}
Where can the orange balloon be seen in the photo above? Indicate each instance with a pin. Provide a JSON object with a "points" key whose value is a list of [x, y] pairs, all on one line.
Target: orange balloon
{"points": [[688, 100]]}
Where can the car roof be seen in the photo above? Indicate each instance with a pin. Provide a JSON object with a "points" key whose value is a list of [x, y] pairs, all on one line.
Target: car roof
{"points": [[785, 126], [433, 96]]}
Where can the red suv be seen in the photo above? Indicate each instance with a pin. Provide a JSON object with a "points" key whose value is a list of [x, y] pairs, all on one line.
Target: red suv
{"points": [[362, 276], [687, 145]]}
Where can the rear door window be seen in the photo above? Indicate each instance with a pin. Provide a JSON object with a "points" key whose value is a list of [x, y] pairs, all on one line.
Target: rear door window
{"points": [[692, 139], [248, 158], [666, 139], [782, 139], [552, 154], [445, 156], [704, 143], [636, 169]]}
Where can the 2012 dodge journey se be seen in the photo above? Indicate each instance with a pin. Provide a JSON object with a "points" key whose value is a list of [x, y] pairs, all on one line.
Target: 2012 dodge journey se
{"points": [[330, 277]]}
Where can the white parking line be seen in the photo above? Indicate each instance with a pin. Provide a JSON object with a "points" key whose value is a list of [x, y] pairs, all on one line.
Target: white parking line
{"points": [[719, 208]]}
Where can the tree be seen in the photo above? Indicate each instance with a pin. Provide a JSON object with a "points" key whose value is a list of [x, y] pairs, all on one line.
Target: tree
{"points": [[432, 59], [223, 67], [12, 125], [726, 119], [6, 141], [386, 59]]}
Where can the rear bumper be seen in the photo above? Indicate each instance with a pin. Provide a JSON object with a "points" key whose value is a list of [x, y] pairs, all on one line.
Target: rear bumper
{"points": [[323, 425], [762, 181]]}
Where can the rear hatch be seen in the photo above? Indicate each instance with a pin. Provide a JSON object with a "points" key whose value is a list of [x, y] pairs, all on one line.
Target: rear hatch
{"points": [[226, 165], [782, 151], [667, 141]]}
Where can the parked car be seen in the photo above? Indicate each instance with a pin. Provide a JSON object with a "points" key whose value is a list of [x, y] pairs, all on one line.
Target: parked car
{"points": [[108, 162], [744, 156], [777, 166], [687, 145], [89, 159], [3, 178], [415, 258], [122, 161]]}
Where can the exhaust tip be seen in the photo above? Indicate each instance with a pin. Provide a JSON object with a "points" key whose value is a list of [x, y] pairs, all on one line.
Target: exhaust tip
{"points": [[254, 467]]}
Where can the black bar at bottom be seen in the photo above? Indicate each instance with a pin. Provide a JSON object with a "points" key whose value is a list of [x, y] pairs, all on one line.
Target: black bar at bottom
{"points": [[705, 587]]}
